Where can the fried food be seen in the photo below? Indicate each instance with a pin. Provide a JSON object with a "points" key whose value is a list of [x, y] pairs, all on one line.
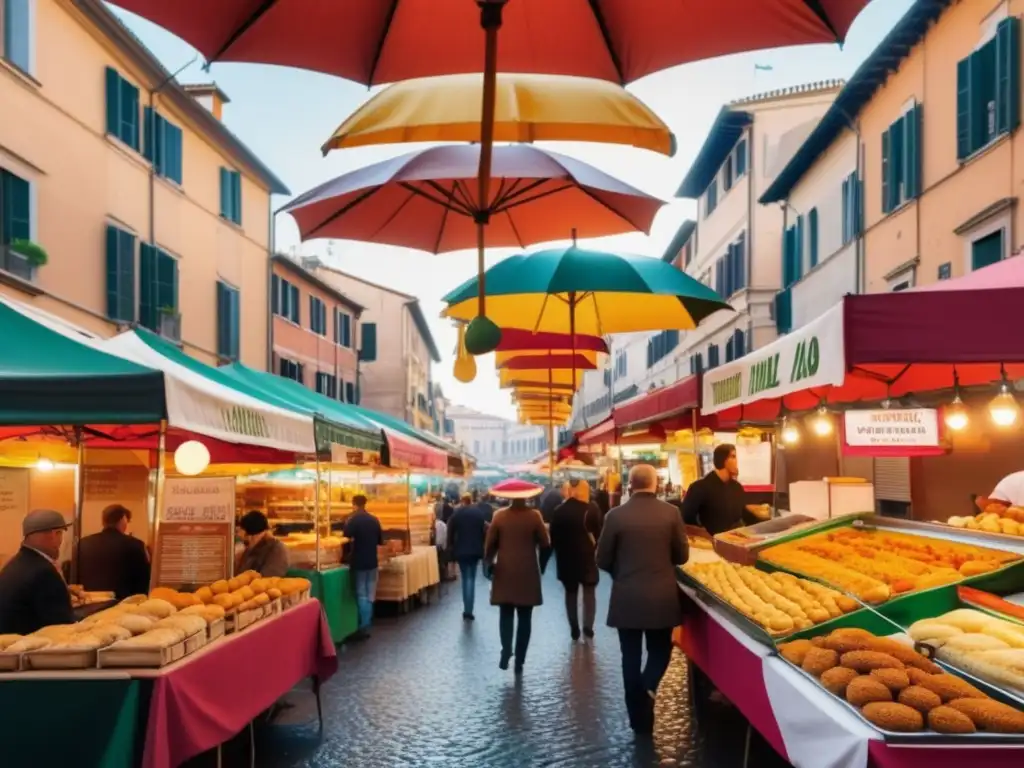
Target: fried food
{"points": [[795, 651], [917, 675], [944, 719], [866, 689], [919, 698], [865, 661], [950, 687], [837, 679], [890, 716], [989, 715], [893, 679], [817, 661]]}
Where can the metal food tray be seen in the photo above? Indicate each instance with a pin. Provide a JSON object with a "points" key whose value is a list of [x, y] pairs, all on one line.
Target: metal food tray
{"points": [[748, 626], [941, 531], [930, 738]]}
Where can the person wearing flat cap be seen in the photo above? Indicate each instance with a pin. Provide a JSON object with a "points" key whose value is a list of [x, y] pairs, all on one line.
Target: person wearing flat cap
{"points": [[263, 553], [33, 593]]}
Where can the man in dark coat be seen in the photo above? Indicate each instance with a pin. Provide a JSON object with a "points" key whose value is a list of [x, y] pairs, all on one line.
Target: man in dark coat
{"points": [[112, 560], [641, 544], [575, 526], [467, 530], [33, 594]]}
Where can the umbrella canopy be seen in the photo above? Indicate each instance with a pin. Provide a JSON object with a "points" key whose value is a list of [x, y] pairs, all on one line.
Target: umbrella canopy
{"points": [[591, 292], [542, 377], [514, 339], [525, 358], [516, 489], [430, 200], [528, 108], [373, 42], [553, 361]]}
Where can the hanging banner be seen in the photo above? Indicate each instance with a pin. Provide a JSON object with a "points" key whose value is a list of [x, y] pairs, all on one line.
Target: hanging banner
{"points": [[811, 356], [892, 432], [195, 532]]}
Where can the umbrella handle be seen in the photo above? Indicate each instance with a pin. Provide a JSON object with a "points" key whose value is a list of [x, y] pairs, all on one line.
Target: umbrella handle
{"points": [[490, 21]]}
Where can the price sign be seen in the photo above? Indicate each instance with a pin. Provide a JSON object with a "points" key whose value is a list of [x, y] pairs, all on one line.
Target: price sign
{"points": [[195, 538]]}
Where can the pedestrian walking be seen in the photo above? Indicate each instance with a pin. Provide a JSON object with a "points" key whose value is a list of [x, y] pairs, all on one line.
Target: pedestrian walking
{"points": [[575, 527], [366, 534], [641, 544], [440, 542], [467, 530], [514, 541]]}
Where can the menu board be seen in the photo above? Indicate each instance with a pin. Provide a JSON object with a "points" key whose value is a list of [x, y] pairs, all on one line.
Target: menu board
{"points": [[195, 534]]}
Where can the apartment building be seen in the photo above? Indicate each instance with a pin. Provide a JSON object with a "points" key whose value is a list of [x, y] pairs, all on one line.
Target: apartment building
{"points": [[123, 199], [397, 347], [494, 440], [314, 331]]}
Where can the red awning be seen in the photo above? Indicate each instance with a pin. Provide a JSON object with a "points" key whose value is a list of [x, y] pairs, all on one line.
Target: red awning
{"points": [[602, 433], [662, 403], [405, 453]]}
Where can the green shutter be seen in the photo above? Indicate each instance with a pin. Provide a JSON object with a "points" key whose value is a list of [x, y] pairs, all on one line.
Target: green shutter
{"points": [[983, 88], [368, 350], [120, 275], [1007, 75], [16, 216], [113, 274], [886, 172], [225, 193], [236, 324], [167, 281], [846, 209], [798, 256], [275, 289], [148, 135], [812, 236], [912, 153], [963, 108], [147, 286], [223, 319], [113, 101], [172, 152], [236, 197], [129, 132]]}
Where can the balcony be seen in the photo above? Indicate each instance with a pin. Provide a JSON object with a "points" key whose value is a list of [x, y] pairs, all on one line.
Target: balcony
{"points": [[15, 264], [168, 324]]}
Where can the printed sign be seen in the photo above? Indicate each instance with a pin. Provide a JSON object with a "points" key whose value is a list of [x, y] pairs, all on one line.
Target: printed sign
{"points": [[811, 356], [198, 500], [892, 432], [195, 536]]}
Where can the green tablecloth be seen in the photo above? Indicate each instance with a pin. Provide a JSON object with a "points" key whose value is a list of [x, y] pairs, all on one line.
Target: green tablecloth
{"points": [[335, 591], [69, 722]]}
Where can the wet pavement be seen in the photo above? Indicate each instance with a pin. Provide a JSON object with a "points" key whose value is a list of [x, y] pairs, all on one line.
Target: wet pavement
{"points": [[426, 690]]}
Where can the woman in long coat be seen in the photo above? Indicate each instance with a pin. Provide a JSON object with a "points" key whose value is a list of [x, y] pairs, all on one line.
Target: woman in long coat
{"points": [[517, 550], [575, 528]]}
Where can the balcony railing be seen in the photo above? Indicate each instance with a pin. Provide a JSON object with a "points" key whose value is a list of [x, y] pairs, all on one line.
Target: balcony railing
{"points": [[168, 324], [783, 310], [15, 264]]}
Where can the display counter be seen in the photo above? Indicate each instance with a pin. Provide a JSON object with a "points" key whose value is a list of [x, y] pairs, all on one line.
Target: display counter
{"points": [[335, 591], [406, 576]]}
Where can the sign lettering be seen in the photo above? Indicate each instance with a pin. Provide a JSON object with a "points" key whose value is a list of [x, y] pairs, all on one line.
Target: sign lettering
{"points": [[806, 360], [728, 389], [764, 374], [244, 421]]}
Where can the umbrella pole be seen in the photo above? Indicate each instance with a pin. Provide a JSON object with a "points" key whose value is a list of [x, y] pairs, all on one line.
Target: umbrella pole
{"points": [[551, 415], [490, 20]]}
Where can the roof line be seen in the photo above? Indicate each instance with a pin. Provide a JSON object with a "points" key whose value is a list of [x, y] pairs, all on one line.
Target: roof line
{"points": [[683, 234], [304, 274], [109, 24], [364, 281], [725, 132]]}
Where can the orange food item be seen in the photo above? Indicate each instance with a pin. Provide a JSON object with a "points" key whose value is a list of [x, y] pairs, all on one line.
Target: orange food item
{"points": [[891, 716], [893, 679], [817, 661], [837, 679], [951, 687], [991, 716], [901, 585], [865, 661], [795, 651], [919, 698], [945, 719], [866, 689]]}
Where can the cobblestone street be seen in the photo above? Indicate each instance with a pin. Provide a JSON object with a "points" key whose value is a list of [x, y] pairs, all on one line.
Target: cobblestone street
{"points": [[426, 690]]}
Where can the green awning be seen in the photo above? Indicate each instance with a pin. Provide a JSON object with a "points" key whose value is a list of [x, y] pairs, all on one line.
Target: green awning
{"points": [[328, 425], [48, 377]]}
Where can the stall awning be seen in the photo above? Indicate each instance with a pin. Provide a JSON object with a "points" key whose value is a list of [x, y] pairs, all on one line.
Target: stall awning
{"points": [[52, 375], [662, 403], [418, 449], [200, 401], [871, 347], [599, 434]]}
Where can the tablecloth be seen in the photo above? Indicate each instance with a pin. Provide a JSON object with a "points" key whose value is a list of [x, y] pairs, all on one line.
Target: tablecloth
{"points": [[799, 719], [210, 696], [334, 589]]}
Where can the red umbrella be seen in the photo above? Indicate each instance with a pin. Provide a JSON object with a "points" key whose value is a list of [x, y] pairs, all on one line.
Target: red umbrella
{"points": [[553, 361], [516, 340], [430, 200], [384, 41]]}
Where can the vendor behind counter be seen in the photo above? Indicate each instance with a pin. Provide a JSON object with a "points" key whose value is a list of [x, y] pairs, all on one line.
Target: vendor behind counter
{"points": [[717, 502], [33, 594]]}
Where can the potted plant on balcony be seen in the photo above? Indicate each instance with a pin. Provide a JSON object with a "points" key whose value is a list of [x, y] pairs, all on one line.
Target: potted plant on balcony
{"points": [[168, 323], [24, 257]]}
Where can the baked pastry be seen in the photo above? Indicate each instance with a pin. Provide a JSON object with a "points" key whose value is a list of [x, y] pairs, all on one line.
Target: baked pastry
{"points": [[991, 716], [865, 661], [135, 600], [837, 679], [135, 623], [945, 719], [109, 633], [795, 651], [8, 640], [157, 608], [893, 679], [155, 638], [891, 716], [920, 698], [164, 593], [933, 631], [967, 619], [817, 661], [57, 631], [950, 687], [30, 643], [866, 689], [188, 625]]}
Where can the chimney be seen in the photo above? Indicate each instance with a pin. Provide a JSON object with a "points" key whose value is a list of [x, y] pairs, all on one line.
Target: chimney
{"points": [[210, 96]]}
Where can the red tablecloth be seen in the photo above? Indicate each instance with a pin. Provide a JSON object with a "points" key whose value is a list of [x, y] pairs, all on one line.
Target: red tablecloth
{"points": [[209, 697]]}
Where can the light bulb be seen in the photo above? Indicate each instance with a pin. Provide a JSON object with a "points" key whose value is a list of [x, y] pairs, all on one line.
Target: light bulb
{"points": [[790, 434], [191, 458], [822, 423], [956, 415], [44, 465], [1004, 408]]}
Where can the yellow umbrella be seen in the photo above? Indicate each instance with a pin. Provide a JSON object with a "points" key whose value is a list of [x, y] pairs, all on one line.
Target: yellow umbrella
{"points": [[528, 108], [540, 377], [503, 357]]}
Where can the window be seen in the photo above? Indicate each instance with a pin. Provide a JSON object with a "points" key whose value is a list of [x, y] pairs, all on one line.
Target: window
{"points": [[782, 309], [988, 90], [696, 363], [812, 236], [351, 395], [231, 195], [730, 269], [228, 321], [284, 299], [660, 346], [158, 286], [945, 270], [120, 275], [607, 377], [16, 23], [901, 160], [15, 222], [711, 198], [343, 328], [792, 253], [688, 252], [122, 109], [740, 162], [727, 173], [712, 356], [987, 250], [290, 369], [317, 316], [327, 385], [736, 346], [162, 145], [621, 361], [852, 207], [902, 280], [368, 350]]}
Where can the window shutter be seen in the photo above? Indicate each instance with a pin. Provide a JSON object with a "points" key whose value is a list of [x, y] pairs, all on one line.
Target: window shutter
{"points": [[113, 101], [236, 197], [886, 172], [368, 349], [293, 304], [741, 261], [798, 256], [739, 345], [1007, 75], [223, 320], [275, 300], [149, 135], [167, 281], [225, 194], [113, 274], [856, 205], [236, 323], [912, 153], [728, 351], [741, 158], [173, 152], [983, 87], [147, 286], [812, 237], [963, 108], [16, 215], [129, 114]]}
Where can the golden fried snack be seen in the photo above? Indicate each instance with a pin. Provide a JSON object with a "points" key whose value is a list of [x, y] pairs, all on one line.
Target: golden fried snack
{"points": [[950, 688], [847, 643], [893, 679], [944, 719], [890, 716], [819, 641], [795, 651], [847, 604], [865, 689], [865, 661], [916, 675], [851, 632], [817, 661], [991, 716], [919, 698], [904, 653], [837, 679]]}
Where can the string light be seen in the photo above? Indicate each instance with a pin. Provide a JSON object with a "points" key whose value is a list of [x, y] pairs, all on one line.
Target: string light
{"points": [[790, 434], [956, 414], [44, 465], [1004, 408], [822, 423]]}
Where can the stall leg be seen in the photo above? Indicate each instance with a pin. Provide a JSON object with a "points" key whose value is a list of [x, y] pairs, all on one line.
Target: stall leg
{"points": [[746, 747], [252, 745], [319, 704]]}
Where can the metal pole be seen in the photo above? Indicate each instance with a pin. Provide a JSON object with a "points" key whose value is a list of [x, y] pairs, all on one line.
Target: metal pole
{"points": [[775, 470], [316, 511], [76, 528], [158, 500]]}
